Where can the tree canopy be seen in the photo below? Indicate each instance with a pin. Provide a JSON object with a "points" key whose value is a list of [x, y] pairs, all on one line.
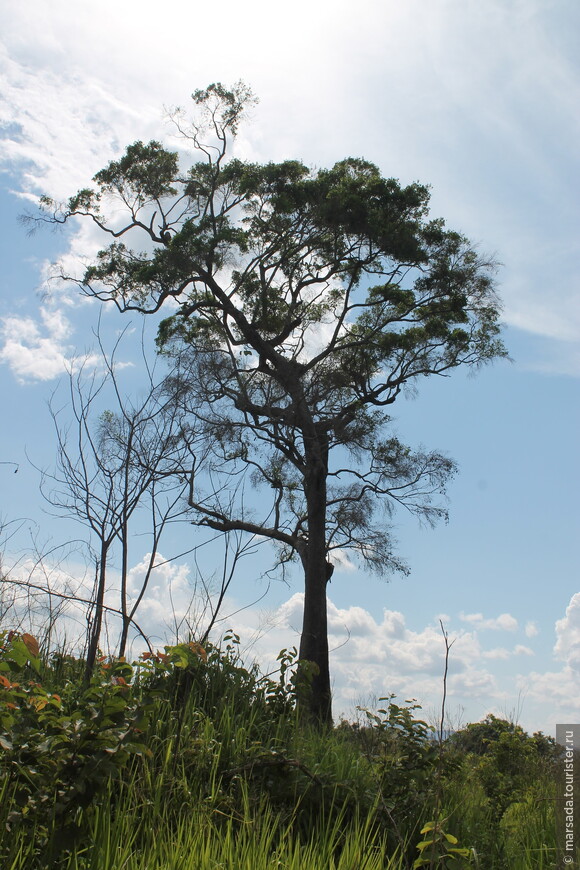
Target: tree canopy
{"points": [[300, 303]]}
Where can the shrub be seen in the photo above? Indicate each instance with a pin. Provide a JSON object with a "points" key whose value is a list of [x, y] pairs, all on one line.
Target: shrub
{"points": [[61, 750]]}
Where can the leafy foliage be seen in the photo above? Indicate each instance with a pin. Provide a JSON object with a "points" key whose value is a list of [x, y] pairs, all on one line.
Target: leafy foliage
{"points": [[189, 749], [60, 750], [403, 756], [507, 760], [438, 848]]}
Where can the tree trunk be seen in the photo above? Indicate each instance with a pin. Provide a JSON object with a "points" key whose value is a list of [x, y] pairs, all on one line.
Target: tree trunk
{"points": [[125, 618], [314, 695], [95, 630], [124, 537]]}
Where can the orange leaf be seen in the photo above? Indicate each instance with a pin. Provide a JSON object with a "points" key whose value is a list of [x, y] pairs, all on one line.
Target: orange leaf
{"points": [[197, 648], [4, 681], [31, 644]]}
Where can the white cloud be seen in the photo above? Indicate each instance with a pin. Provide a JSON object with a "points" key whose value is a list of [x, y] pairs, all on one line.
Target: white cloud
{"points": [[503, 622], [556, 693], [393, 624], [355, 620], [41, 350], [289, 615], [567, 647], [501, 653], [38, 595], [56, 323], [341, 561], [45, 591], [521, 650], [531, 629], [474, 683], [30, 354], [497, 653], [60, 124], [371, 658]]}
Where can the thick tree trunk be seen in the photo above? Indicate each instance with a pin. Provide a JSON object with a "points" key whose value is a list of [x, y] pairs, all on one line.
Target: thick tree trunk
{"points": [[314, 695]]}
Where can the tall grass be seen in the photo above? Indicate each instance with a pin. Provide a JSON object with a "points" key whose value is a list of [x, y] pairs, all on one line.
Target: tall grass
{"points": [[249, 839]]}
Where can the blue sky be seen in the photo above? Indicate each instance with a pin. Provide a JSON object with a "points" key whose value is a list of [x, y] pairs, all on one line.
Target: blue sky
{"points": [[478, 100]]}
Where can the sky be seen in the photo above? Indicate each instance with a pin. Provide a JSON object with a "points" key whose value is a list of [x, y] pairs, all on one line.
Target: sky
{"points": [[480, 101]]}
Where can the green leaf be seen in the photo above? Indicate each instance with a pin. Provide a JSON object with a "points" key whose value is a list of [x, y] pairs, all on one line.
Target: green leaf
{"points": [[424, 844]]}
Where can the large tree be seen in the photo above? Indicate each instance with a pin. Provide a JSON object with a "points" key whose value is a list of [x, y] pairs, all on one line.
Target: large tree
{"points": [[301, 302]]}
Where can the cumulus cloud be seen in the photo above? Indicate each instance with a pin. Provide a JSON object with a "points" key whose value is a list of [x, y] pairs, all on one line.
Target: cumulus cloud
{"points": [[557, 694], [41, 594], [341, 561], [531, 629], [501, 653], [567, 647], [372, 657], [497, 653], [558, 691], [355, 620], [33, 350], [475, 683], [503, 622], [47, 597], [289, 615], [41, 349], [521, 650]]}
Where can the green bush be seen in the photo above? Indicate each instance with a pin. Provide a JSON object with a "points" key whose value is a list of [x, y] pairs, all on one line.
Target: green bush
{"points": [[507, 760], [60, 751]]}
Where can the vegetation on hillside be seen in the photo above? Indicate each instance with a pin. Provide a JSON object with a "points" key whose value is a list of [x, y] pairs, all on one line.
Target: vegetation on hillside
{"points": [[188, 759]]}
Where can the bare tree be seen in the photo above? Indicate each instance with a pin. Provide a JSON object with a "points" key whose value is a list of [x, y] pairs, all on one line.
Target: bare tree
{"points": [[113, 465]]}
